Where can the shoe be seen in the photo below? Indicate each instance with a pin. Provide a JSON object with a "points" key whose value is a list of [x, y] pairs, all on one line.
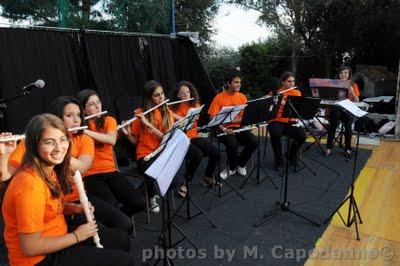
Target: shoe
{"points": [[328, 152], [242, 171], [224, 173], [348, 154], [153, 205]]}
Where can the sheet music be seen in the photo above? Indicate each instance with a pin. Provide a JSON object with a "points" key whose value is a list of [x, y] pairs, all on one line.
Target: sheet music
{"points": [[384, 99], [222, 118], [184, 122], [351, 108], [165, 167]]}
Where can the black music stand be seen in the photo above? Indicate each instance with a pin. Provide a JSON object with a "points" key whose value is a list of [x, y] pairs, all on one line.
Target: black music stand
{"points": [[258, 112], [353, 212], [302, 108], [186, 124], [226, 118], [167, 219], [284, 206]]}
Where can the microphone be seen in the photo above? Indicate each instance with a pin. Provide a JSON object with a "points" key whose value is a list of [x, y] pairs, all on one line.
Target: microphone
{"points": [[37, 84]]}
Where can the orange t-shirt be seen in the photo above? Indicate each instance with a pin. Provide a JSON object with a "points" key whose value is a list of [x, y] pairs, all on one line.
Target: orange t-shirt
{"points": [[103, 161], [227, 99], [356, 92], [28, 207], [81, 144], [279, 117], [147, 141], [182, 110]]}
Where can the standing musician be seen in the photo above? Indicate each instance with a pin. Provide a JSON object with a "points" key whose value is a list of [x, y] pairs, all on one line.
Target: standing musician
{"points": [[201, 146], [103, 179], [281, 125], [232, 96], [147, 132], [33, 205], [336, 115], [82, 149]]}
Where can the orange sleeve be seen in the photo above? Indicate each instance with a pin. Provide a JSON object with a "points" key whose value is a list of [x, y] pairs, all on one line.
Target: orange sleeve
{"points": [[136, 126], [110, 124], [15, 159], [356, 90], [215, 106], [86, 146], [31, 200]]}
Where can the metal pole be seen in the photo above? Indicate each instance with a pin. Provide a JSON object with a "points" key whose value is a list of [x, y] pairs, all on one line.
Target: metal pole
{"points": [[172, 12]]}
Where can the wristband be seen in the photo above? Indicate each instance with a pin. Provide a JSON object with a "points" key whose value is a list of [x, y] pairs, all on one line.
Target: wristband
{"points": [[76, 237], [225, 129]]}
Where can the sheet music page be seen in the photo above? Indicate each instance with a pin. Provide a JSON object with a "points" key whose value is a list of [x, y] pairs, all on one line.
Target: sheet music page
{"points": [[222, 118], [165, 167], [184, 122], [378, 99], [218, 118], [351, 108]]}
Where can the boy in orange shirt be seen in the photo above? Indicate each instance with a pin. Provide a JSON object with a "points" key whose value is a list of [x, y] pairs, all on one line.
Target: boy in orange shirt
{"points": [[232, 96]]}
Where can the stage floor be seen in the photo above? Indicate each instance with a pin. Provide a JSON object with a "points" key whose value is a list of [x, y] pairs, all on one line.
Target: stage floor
{"points": [[284, 240]]}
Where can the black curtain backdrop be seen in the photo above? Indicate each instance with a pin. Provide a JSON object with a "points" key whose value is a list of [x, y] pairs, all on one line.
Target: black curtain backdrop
{"points": [[115, 65], [162, 62], [28, 55]]}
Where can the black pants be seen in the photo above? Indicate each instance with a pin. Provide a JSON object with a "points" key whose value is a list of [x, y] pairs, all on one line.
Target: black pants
{"points": [[204, 148], [178, 179], [277, 130], [231, 142], [334, 117], [114, 188], [110, 238], [80, 255], [110, 215]]}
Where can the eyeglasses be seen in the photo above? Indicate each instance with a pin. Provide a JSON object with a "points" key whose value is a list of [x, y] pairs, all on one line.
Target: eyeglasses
{"points": [[52, 143], [92, 104]]}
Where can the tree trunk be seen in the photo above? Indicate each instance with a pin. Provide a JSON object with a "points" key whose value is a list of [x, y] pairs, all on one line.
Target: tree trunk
{"points": [[85, 12], [397, 128]]}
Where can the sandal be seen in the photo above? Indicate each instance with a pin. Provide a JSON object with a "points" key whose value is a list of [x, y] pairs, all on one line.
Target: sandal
{"points": [[210, 182]]}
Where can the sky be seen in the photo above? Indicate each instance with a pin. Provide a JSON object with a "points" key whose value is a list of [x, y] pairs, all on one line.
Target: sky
{"points": [[235, 27]]}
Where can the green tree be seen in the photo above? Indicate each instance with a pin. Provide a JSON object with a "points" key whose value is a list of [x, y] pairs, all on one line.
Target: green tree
{"points": [[259, 63]]}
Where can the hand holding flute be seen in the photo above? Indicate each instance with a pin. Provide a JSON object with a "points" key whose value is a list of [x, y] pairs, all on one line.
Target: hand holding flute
{"points": [[85, 202]]}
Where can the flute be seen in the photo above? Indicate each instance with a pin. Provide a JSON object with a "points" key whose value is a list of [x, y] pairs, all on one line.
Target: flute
{"points": [[85, 202], [180, 101], [76, 128], [144, 113], [238, 130], [12, 138], [95, 115]]}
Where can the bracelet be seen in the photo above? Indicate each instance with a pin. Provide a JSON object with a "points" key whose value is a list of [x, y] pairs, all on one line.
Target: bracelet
{"points": [[76, 237]]}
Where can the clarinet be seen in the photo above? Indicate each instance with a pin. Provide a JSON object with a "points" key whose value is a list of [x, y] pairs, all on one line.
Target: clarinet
{"points": [[85, 202]]}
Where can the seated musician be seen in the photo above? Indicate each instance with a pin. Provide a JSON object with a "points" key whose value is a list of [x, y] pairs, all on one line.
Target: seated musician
{"points": [[201, 147], [229, 97], [336, 115], [281, 125]]}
